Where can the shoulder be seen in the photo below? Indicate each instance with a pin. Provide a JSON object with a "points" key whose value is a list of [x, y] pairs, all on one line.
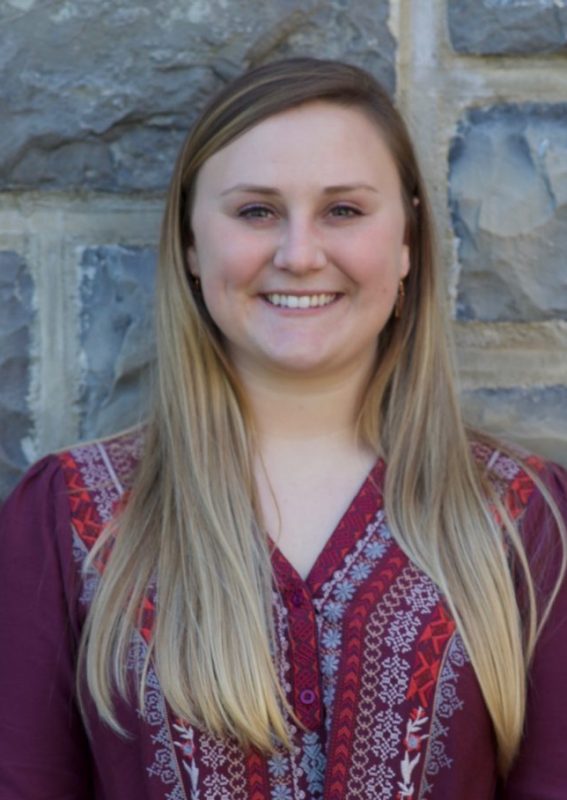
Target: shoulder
{"points": [[533, 492], [104, 467], [522, 481], [540, 769], [97, 476], [112, 460], [75, 490]]}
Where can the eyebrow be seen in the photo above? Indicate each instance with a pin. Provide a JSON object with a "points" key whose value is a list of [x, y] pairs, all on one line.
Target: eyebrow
{"points": [[252, 188]]}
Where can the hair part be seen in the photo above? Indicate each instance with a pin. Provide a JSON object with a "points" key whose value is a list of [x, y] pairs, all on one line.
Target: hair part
{"points": [[199, 538]]}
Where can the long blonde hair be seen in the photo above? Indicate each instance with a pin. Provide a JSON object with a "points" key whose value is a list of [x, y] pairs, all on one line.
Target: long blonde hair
{"points": [[191, 524]]}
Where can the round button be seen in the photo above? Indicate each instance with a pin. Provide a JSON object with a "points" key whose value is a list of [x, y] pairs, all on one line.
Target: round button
{"points": [[297, 599], [307, 696]]}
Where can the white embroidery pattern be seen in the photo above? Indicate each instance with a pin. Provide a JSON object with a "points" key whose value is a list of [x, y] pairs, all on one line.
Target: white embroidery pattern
{"points": [[335, 598], [446, 703], [378, 737], [412, 744], [187, 746]]}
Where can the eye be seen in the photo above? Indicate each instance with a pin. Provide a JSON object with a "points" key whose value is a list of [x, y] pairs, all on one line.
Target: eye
{"points": [[343, 211], [255, 212]]}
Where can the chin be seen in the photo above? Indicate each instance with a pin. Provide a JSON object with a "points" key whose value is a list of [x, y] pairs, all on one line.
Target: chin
{"points": [[301, 365]]}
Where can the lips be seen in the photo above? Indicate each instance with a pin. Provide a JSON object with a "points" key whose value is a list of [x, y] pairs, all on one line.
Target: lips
{"points": [[300, 300]]}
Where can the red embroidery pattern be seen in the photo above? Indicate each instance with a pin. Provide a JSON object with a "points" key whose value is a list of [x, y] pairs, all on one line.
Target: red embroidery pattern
{"points": [[83, 512], [258, 784], [431, 648], [430, 651]]}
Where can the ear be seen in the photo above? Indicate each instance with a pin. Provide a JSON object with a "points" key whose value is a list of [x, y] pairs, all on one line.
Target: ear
{"points": [[192, 261]]}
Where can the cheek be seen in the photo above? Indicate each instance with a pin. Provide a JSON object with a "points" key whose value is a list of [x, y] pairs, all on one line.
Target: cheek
{"points": [[405, 261], [378, 276], [230, 260], [223, 284], [193, 262], [378, 265], [216, 305]]}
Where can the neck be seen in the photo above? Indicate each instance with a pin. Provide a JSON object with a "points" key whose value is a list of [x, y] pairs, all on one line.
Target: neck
{"points": [[302, 410]]}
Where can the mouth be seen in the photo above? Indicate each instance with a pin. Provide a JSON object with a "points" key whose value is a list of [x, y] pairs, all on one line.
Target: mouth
{"points": [[300, 300]]}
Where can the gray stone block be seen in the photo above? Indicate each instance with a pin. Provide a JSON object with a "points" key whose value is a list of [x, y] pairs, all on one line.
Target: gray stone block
{"points": [[508, 198], [16, 319], [117, 288], [536, 418], [494, 27], [100, 94]]}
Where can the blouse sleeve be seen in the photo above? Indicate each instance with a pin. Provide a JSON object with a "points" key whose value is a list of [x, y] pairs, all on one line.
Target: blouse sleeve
{"points": [[540, 770], [44, 752]]}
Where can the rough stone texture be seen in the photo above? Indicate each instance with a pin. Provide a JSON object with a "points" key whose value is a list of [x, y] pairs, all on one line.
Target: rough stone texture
{"points": [[532, 417], [16, 318], [95, 98], [116, 294], [493, 27], [508, 196], [504, 354], [100, 94]]}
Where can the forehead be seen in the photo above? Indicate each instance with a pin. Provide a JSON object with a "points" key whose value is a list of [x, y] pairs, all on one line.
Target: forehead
{"points": [[335, 143]]}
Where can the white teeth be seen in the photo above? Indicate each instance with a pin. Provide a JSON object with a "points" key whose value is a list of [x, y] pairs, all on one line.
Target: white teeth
{"points": [[300, 301]]}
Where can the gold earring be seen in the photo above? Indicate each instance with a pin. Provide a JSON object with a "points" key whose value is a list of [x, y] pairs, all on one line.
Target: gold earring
{"points": [[400, 300]]}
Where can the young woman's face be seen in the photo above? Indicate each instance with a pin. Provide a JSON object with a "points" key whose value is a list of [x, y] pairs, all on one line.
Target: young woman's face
{"points": [[299, 241]]}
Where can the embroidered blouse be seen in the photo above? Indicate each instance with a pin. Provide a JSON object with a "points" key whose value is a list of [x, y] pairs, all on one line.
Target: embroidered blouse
{"points": [[367, 652]]}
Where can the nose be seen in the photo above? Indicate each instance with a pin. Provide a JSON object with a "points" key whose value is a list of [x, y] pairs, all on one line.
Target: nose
{"points": [[300, 248]]}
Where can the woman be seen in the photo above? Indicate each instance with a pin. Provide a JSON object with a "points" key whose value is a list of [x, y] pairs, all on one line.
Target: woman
{"points": [[303, 579]]}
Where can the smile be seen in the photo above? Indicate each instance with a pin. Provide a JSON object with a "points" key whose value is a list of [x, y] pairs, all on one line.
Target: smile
{"points": [[300, 301]]}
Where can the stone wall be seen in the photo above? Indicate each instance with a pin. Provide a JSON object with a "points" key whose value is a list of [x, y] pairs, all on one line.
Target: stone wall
{"points": [[95, 99]]}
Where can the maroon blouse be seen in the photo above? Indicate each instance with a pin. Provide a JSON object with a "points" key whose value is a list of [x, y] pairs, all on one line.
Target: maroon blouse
{"points": [[366, 651]]}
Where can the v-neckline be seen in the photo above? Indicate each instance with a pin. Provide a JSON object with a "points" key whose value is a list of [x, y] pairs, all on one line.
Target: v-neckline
{"points": [[350, 528]]}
